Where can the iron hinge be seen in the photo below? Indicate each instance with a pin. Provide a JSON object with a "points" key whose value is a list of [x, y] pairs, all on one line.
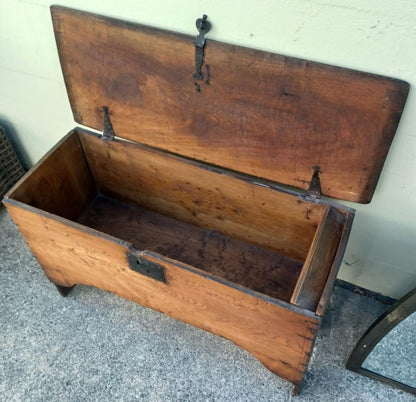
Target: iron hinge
{"points": [[203, 27], [108, 133], [314, 190]]}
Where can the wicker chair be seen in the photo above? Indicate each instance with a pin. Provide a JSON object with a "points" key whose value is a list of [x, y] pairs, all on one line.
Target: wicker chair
{"points": [[10, 167]]}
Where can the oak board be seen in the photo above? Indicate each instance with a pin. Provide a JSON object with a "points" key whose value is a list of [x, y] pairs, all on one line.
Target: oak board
{"points": [[260, 113], [197, 194], [318, 263], [240, 262]]}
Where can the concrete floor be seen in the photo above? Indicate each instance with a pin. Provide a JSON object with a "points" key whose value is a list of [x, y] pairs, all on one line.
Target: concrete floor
{"points": [[95, 346]]}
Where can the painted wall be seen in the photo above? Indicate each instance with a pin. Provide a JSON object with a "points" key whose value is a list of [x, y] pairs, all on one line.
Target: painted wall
{"points": [[377, 36]]}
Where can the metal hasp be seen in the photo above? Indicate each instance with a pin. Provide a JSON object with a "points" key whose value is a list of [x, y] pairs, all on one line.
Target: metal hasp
{"points": [[146, 267], [314, 190], [108, 133], [203, 27], [376, 332]]}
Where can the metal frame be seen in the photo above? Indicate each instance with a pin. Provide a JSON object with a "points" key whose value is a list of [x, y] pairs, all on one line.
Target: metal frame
{"points": [[376, 332]]}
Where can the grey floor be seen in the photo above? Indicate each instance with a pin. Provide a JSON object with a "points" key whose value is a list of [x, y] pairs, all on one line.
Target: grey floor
{"points": [[94, 346]]}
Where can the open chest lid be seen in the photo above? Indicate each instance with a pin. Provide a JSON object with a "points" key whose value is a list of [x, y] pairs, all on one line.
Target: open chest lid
{"points": [[259, 113]]}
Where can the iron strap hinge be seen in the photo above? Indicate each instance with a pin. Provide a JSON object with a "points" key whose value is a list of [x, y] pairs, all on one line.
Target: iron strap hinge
{"points": [[314, 190], [203, 27], [108, 133]]}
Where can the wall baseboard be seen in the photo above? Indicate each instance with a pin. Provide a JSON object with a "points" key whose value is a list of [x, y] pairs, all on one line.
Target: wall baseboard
{"points": [[365, 292]]}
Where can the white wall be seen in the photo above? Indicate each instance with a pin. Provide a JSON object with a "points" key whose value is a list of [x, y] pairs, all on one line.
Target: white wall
{"points": [[373, 35]]}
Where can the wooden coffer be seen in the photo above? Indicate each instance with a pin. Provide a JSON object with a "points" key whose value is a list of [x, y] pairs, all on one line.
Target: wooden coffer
{"points": [[206, 204]]}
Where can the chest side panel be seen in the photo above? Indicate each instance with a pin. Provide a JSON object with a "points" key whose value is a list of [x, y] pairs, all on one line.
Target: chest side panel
{"points": [[280, 338], [256, 112]]}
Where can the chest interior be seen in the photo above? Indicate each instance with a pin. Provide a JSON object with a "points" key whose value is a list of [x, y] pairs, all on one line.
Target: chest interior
{"points": [[208, 218]]}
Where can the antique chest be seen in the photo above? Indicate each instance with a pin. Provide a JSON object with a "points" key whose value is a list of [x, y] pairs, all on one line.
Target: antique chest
{"points": [[206, 203]]}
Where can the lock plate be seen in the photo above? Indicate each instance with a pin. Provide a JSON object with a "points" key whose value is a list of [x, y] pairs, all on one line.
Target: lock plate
{"points": [[146, 267]]}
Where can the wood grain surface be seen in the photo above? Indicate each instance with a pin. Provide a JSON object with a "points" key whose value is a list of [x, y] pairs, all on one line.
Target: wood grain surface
{"points": [[336, 263], [60, 183], [209, 250], [71, 254], [319, 261], [260, 113], [212, 199]]}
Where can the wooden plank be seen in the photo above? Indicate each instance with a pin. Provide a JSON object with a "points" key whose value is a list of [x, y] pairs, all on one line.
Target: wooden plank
{"points": [[318, 264], [263, 114], [70, 254], [239, 262], [330, 282], [60, 183], [213, 199]]}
